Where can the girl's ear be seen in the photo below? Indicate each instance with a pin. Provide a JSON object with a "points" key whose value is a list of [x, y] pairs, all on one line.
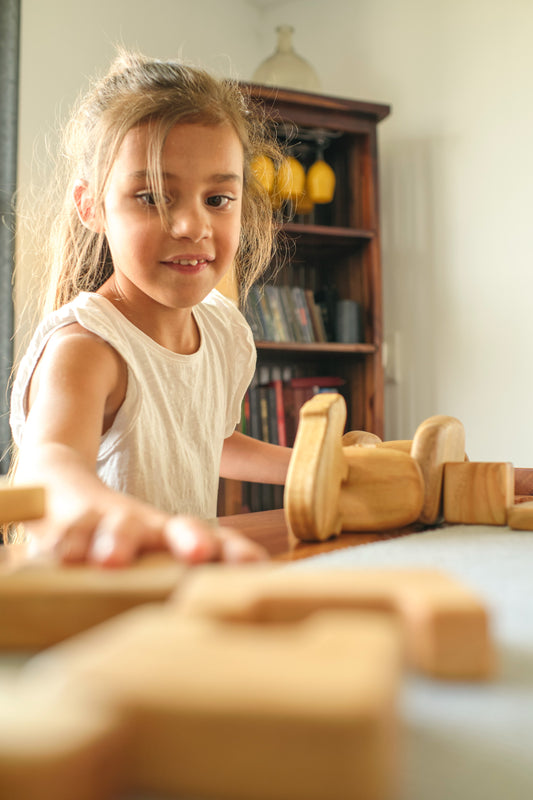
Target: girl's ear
{"points": [[86, 207]]}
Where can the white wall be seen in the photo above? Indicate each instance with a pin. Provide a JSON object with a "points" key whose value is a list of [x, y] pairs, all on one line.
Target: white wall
{"points": [[456, 167], [64, 43], [456, 199]]}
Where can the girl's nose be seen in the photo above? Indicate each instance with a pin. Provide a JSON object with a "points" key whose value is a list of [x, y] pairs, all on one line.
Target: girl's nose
{"points": [[190, 222]]}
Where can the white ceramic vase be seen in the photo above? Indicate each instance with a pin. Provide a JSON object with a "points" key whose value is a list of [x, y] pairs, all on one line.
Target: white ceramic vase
{"points": [[285, 67]]}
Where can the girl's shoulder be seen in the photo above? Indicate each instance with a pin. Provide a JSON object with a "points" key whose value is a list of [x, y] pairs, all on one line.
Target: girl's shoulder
{"points": [[61, 346], [218, 305], [71, 319]]}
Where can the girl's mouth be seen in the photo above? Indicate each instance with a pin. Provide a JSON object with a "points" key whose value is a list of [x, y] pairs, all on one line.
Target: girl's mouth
{"points": [[189, 266]]}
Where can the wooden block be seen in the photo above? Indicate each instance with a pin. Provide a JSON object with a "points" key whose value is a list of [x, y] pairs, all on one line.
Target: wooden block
{"points": [[446, 626], [43, 602], [214, 705], [21, 503], [437, 441], [478, 493], [398, 444], [384, 489], [360, 439], [520, 517], [316, 470], [57, 747]]}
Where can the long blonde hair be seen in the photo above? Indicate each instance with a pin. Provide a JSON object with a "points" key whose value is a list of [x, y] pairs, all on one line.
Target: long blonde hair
{"points": [[139, 90]]}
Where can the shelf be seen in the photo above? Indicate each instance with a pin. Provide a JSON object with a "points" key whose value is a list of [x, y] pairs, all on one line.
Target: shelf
{"points": [[334, 348], [328, 233], [327, 237]]}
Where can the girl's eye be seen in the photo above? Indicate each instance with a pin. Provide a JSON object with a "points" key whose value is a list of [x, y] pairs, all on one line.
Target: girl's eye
{"points": [[219, 200], [150, 199]]}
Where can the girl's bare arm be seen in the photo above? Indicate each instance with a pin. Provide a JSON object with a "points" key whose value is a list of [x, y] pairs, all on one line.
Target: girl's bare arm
{"points": [[77, 388], [244, 458]]}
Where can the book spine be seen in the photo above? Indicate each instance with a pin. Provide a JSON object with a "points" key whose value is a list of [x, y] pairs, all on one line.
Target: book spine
{"points": [[278, 318], [279, 405], [253, 316], [290, 314], [316, 317], [302, 314], [266, 317]]}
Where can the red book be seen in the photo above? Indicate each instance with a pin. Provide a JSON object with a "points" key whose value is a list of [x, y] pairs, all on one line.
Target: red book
{"points": [[280, 411], [321, 382]]}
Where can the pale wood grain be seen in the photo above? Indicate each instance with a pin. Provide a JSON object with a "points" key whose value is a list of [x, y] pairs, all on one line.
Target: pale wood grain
{"points": [[21, 503], [437, 441], [445, 625], [211, 704], [478, 493]]}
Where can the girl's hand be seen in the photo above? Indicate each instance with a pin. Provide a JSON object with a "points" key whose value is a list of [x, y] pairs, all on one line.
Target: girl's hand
{"points": [[117, 538]]}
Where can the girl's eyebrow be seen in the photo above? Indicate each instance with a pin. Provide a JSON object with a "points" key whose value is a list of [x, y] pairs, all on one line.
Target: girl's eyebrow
{"points": [[227, 176], [218, 177]]}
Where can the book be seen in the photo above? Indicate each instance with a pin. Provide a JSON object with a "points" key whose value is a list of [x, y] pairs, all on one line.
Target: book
{"points": [[253, 316], [279, 320], [317, 382], [317, 321], [298, 391], [302, 313], [266, 316], [279, 409], [254, 411], [290, 313]]}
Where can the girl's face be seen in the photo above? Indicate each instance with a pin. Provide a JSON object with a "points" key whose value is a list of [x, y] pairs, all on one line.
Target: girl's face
{"points": [[177, 267]]}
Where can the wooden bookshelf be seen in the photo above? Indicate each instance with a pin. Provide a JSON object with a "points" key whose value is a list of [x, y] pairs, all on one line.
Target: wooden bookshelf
{"points": [[337, 247]]}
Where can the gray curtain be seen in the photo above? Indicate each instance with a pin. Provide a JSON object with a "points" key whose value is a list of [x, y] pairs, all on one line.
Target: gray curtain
{"points": [[9, 72]]}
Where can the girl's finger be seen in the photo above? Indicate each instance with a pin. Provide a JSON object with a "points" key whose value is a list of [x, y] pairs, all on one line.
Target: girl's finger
{"points": [[74, 539], [192, 540], [238, 549], [120, 538]]}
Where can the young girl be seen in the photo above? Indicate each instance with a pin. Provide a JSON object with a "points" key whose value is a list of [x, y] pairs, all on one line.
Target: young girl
{"points": [[126, 402]]}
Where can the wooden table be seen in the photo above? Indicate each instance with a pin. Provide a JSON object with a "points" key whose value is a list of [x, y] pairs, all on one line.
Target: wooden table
{"points": [[269, 529]]}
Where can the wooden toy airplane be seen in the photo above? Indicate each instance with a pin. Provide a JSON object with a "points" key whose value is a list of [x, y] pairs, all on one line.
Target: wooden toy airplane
{"points": [[358, 483]]}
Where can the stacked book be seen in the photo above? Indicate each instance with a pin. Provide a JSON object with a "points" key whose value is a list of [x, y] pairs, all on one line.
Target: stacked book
{"points": [[284, 314]]}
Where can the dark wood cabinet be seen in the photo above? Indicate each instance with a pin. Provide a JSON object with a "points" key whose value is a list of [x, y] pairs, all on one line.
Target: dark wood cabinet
{"points": [[336, 248]]}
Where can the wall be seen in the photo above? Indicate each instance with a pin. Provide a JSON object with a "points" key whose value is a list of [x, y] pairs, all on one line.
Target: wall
{"points": [[456, 167], [456, 200], [65, 42]]}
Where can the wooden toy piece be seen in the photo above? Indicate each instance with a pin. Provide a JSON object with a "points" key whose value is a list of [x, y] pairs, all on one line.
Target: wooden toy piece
{"points": [[317, 469], [360, 439], [212, 704], [57, 747], [330, 487], [21, 503], [384, 489], [478, 493], [445, 625], [44, 603], [366, 439], [404, 445], [437, 441], [520, 517]]}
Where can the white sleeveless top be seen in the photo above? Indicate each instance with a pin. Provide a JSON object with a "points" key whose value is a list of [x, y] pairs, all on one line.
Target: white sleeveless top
{"points": [[165, 444]]}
